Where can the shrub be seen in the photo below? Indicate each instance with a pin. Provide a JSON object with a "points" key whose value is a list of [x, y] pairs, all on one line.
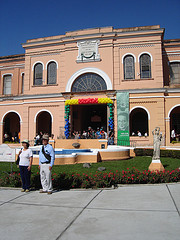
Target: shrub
{"points": [[10, 179], [163, 153], [97, 180]]}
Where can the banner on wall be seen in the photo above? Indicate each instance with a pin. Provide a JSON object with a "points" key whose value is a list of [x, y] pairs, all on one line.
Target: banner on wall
{"points": [[122, 99]]}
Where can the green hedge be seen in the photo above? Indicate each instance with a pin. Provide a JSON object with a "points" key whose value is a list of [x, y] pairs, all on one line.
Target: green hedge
{"points": [[164, 153], [98, 180]]}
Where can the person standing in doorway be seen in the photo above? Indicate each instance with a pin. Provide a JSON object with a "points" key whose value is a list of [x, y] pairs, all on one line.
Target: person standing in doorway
{"points": [[139, 133], [173, 135], [46, 162], [25, 163]]}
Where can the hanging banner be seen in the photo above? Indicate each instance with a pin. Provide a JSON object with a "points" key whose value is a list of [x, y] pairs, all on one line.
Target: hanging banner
{"points": [[123, 118]]}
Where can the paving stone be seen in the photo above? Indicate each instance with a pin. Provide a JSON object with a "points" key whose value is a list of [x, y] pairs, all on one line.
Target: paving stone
{"points": [[175, 191], [117, 224], [22, 221], [135, 198]]}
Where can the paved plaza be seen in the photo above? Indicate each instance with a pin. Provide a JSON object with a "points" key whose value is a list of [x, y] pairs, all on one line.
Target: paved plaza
{"points": [[128, 212]]}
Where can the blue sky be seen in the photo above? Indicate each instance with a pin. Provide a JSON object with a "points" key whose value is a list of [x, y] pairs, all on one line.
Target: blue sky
{"points": [[21, 19]]}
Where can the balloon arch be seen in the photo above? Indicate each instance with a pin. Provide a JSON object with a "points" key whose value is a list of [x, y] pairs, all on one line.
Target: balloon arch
{"points": [[86, 101]]}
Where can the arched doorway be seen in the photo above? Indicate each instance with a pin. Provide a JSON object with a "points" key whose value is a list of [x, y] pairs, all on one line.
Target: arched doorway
{"points": [[175, 123], [44, 123], [84, 116], [93, 115], [139, 122], [11, 127]]}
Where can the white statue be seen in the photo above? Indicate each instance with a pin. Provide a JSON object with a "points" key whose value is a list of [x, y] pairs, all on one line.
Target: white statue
{"points": [[157, 142]]}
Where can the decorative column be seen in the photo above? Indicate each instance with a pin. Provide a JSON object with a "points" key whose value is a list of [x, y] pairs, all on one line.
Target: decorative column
{"points": [[1, 130], [167, 121]]}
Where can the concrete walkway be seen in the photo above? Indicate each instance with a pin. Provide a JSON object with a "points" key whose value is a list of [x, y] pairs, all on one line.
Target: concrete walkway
{"points": [[129, 212]]}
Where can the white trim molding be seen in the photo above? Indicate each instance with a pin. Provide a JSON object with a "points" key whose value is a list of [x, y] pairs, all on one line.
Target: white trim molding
{"points": [[173, 61], [43, 110], [142, 108], [167, 119], [177, 105], [145, 53], [52, 60], [5, 74], [36, 63], [88, 70], [128, 54], [11, 111]]}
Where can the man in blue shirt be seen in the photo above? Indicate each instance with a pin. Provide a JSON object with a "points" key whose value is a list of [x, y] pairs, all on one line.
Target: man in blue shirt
{"points": [[98, 135], [46, 161]]}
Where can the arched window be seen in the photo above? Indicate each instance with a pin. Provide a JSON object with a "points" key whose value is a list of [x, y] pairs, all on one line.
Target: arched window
{"points": [[7, 84], [51, 73], [139, 122], [129, 72], [11, 127], [89, 82], [22, 86], [44, 122], [175, 123], [38, 74], [145, 66], [174, 72]]}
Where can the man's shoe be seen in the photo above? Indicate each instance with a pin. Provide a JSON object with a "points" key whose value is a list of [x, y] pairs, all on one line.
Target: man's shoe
{"points": [[27, 190], [49, 192], [42, 191], [22, 190]]}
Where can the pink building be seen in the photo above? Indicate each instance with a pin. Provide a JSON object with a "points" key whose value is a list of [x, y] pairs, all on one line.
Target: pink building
{"points": [[93, 63]]}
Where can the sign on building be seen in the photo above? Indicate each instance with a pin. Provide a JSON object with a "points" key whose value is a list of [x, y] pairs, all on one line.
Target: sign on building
{"points": [[123, 118], [7, 154], [88, 51]]}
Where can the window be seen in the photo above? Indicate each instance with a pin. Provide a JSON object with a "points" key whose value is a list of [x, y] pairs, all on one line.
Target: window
{"points": [[51, 73], [175, 123], [89, 82], [38, 74], [22, 86], [129, 72], [139, 122], [145, 66], [174, 72], [7, 85]]}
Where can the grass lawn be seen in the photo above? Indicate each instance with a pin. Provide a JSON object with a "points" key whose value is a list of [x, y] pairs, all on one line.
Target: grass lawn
{"points": [[141, 163]]}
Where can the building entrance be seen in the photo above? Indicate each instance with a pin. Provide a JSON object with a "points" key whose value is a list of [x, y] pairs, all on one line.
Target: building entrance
{"points": [[44, 123], [84, 116], [175, 123], [11, 127]]}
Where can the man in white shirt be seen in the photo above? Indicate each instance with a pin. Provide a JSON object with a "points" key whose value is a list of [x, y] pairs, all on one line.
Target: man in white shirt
{"points": [[173, 134], [139, 133], [46, 162]]}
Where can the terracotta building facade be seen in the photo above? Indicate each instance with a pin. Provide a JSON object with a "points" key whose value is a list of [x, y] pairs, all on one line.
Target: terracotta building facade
{"points": [[93, 64]]}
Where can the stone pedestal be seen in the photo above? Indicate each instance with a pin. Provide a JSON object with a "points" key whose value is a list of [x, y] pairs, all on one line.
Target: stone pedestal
{"points": [[156, 165]]}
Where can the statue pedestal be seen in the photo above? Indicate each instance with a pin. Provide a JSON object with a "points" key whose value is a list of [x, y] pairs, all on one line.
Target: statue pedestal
{"points": [[156, 165]]}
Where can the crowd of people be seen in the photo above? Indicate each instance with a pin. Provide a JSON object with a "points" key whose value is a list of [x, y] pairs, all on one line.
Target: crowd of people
{"points": [[9, 137], [38, 138], [90, 133], [139, 134]]}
